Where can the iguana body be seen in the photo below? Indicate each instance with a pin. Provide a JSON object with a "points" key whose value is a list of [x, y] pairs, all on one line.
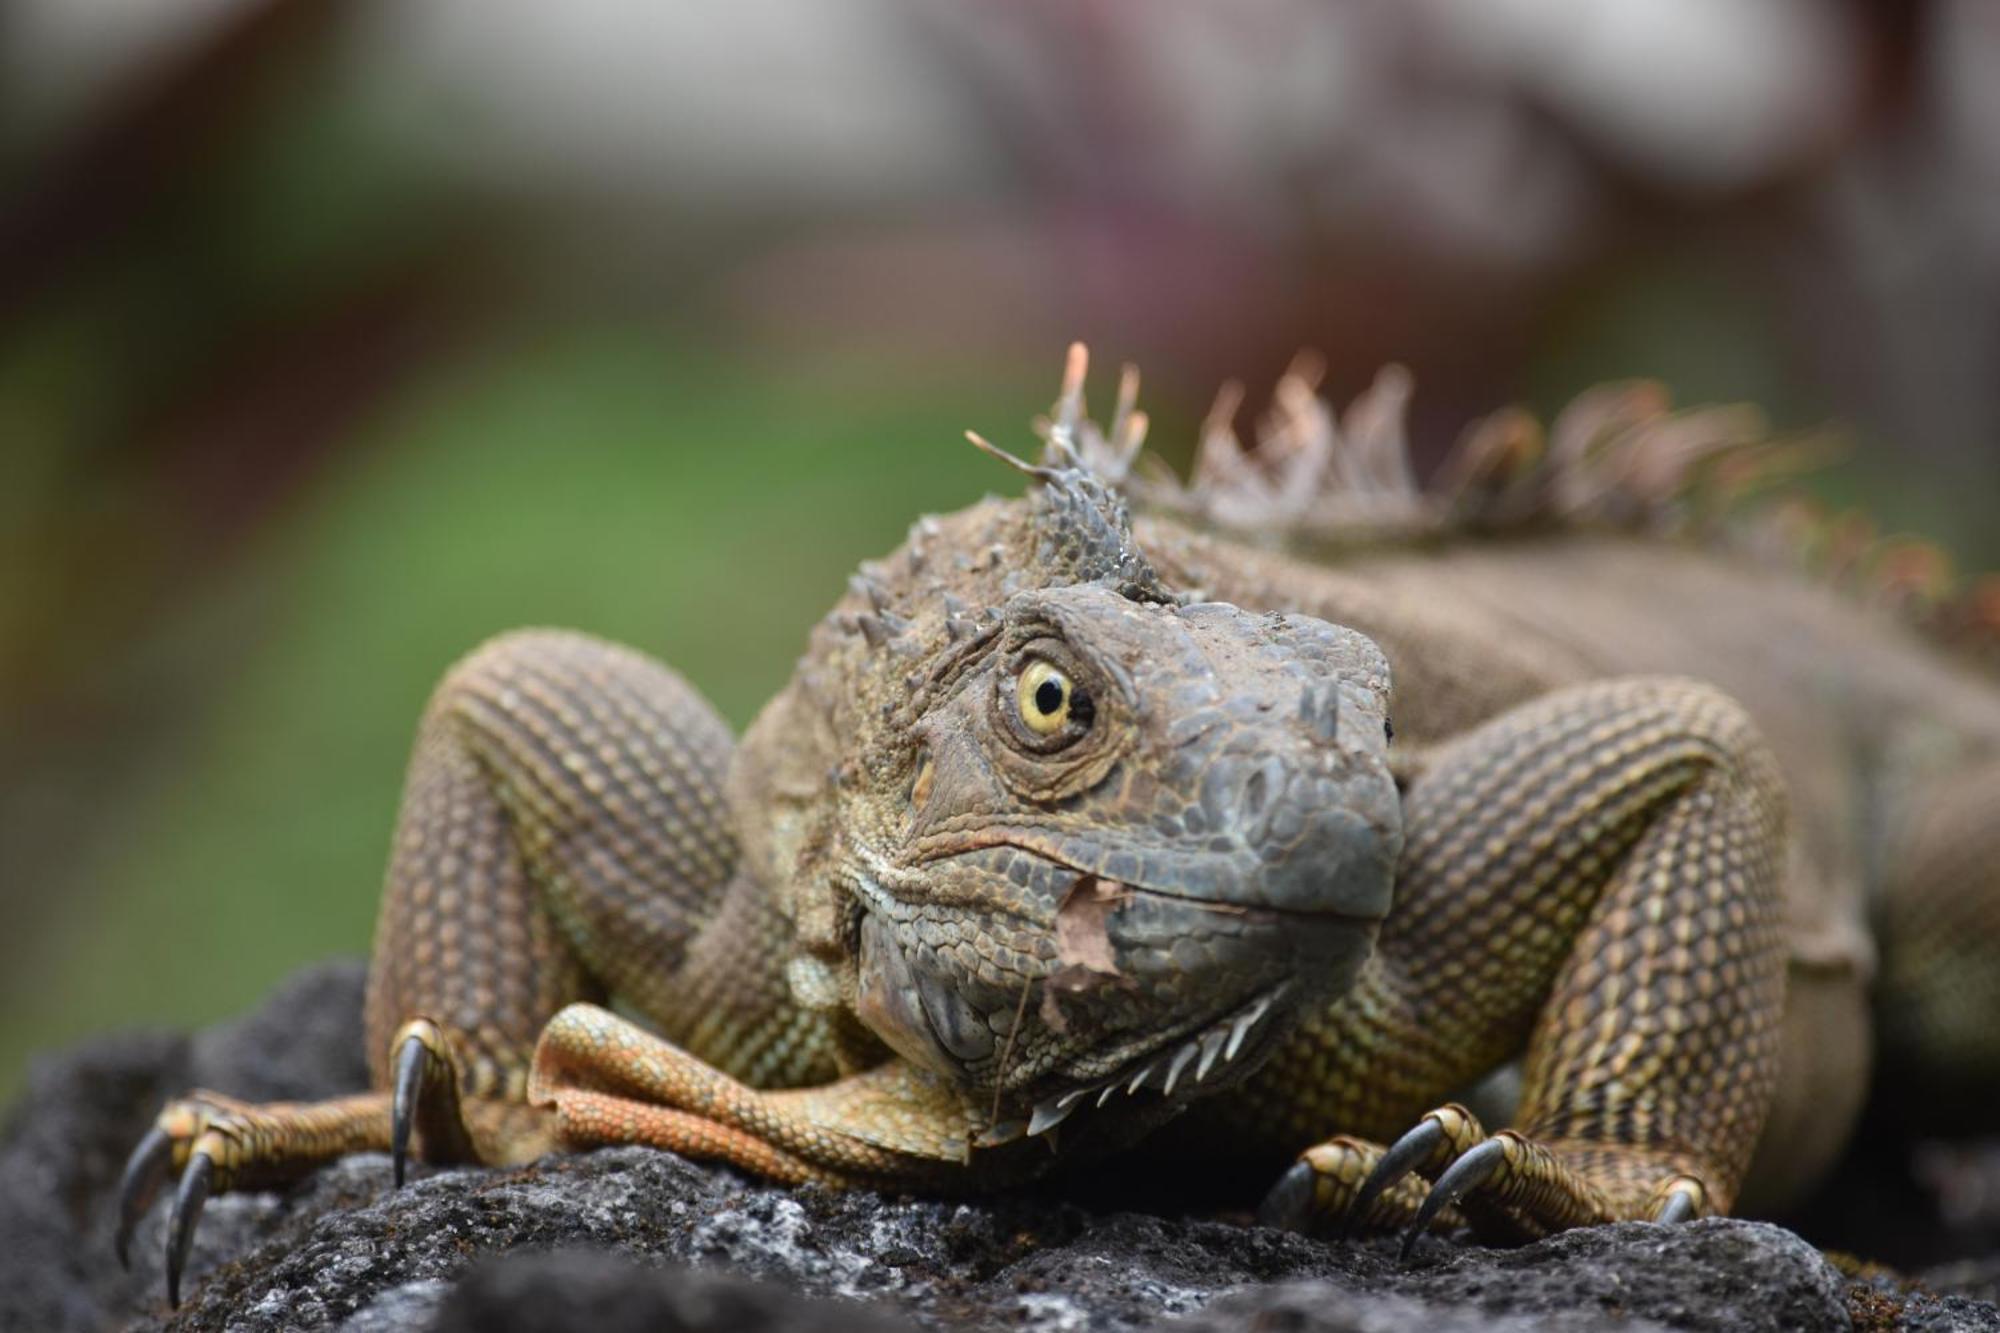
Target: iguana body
{"points": [[1066, 825]]}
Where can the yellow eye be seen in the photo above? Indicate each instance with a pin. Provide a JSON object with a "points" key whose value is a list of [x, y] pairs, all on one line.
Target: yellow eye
{"points": [[1043, 695]]}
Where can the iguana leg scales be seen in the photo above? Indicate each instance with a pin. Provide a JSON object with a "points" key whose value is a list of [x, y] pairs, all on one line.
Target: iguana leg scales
{"points": [[1940, 928], [562, 834], [1592, 877]]}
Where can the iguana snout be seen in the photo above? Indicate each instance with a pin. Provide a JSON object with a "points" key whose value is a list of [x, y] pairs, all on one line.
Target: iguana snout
{"points": [[1138, 835]]}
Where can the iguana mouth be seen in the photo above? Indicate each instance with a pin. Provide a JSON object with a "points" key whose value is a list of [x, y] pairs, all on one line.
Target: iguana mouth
{"points": [[1160, 1070], [1253, 912], [1123, 871]]}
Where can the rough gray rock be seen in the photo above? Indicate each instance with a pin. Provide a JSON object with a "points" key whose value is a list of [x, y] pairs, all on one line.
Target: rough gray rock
{"points": [[637, 1239]]}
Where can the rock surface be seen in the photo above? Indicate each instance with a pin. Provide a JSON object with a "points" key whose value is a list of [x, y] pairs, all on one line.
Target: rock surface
{"points": [[631, 1239]]}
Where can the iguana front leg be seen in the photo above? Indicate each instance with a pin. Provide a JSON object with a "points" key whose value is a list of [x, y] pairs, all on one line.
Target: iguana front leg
{"points": [[562, 836], [610, 1081], [1594, 876]]}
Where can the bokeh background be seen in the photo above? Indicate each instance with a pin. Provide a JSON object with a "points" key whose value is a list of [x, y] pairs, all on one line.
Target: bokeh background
{"points": [[336, 336]]}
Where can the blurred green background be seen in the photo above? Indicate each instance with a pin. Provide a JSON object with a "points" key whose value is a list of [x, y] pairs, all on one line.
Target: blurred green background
{"points": [[336, 337]]}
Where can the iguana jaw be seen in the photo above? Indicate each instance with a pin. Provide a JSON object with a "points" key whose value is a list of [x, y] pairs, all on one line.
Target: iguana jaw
{"points": [[1195, 1057], [1184, 1063], [1130, 1000]]}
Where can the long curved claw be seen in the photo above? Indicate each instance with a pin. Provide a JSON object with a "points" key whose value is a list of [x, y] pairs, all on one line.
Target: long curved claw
{"points": [[1473, 1169], [1678, 1208], [1402, 1157], [188, 1200], [1289, 1204], [412, 1060], [145, 1171]]}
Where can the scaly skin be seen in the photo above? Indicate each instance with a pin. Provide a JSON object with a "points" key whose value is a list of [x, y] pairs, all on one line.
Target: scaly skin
{"points": [[1063, 822]]}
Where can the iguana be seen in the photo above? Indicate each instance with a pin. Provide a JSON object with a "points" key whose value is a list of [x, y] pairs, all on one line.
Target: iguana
{"points": [[1068, 823]]}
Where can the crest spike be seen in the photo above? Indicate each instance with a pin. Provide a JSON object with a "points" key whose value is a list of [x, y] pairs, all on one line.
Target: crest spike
{"points": [[1308, 367], [1021, 465], [1128, 423], [1081, 524], [1228, 401], [1136, 426], [1128, 398], [1069, 406]]}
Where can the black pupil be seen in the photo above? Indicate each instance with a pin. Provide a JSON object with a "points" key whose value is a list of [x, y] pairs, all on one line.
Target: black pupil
{"points": [[1049, 697]]}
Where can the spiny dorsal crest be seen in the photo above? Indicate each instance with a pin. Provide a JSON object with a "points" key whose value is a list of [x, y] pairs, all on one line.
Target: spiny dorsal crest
{"points": [[1619, 457], [1083, 527]]}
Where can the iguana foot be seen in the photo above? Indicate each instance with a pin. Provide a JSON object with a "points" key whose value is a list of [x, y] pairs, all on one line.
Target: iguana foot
{"points": [[425, 1098], [1507, 1186], [218, 1143], [1350, 1184], [214, 1143], [611, 1081]]}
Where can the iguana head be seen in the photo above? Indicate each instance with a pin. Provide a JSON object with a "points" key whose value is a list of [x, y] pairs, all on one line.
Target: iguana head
{"points": [[1061, 833]]}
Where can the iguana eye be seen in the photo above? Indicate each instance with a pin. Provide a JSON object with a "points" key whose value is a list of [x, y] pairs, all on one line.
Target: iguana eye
{"points": [[1047, 701]]}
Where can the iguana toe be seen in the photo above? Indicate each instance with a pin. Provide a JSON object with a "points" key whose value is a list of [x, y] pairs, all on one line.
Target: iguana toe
{"points": [[1468, 1173], [424, 1098], [189, 1199], [145, 1171], [1289, 1205], [1423, 1147]]}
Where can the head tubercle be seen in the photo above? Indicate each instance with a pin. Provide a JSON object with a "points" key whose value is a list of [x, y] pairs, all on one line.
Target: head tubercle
{"points": [[1080, 524], [946, 584]]}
